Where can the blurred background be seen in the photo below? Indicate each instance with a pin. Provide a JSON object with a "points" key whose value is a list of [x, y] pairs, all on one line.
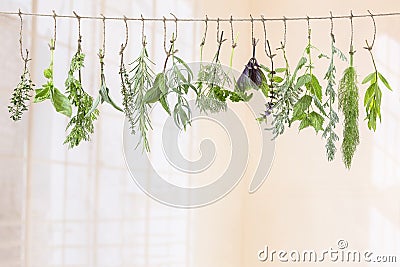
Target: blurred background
{"points": [[80, 207]]}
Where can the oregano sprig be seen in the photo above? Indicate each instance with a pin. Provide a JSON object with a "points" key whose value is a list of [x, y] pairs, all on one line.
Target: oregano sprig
{"points": [[82, 123]]}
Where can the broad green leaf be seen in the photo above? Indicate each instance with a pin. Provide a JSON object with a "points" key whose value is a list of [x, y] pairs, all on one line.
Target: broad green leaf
{"points": [[316, 121], [385, 82], [277, 79], [302, 80], [369, 94], [152, 95], [280, 70], [301, 106], [265, 68], [94, 106], [164, 104], [306, 122], [314, 87], [185, 65], [48, 73], [42, 94], [300, 64], [370, 77], [61, 103]]}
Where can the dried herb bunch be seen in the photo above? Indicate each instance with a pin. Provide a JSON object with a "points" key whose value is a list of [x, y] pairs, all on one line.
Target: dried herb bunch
{"points": [[82, 123], [308, 109], [333, 118], [49, 91], [22, 93]]}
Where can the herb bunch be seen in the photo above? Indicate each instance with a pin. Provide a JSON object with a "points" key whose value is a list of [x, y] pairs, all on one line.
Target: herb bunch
{"points": [[21, 94], [348, 105], [49, 91], [373, 95], [82, 123], [333, 118], [136, 88], [303, 110]]}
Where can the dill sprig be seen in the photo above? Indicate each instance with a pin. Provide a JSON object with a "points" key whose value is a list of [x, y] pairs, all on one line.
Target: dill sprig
{"points": [[136, 108], [348, 105], [329, 132], [82, 123], [21, 94]]}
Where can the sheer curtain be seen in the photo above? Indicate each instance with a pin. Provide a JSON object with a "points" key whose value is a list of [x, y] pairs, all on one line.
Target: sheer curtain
{"points": [[79, 207]]}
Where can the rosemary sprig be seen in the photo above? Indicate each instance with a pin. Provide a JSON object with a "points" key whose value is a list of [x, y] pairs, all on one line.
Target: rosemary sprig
{"points": [[373, 95], [49, 91], [348, 105], [136, 108], [21, 94], [103, 95], [82, 123], [303, 110], [333, 119]]}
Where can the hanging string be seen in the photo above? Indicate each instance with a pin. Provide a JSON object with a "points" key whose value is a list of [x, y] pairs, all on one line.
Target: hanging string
{"points": [[144, 43], [252, 28], [165, 36], [24, 58], [203, 41], [176, 28], [104, 35], [369, 47], [284, 32], [308, 28], [352, 33], [234, 44], [265, 35], [53, 46], [79, 30], [203, 20], [217, 30], [332, 35], [124, 45]]}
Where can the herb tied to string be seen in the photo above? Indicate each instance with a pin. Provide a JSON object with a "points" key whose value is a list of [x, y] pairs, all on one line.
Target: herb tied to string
{"points": [[177, 80], [49, 91], [136, 108], [303, 110], [82, 123], [21, 93], [330, 76], [212, 81]]}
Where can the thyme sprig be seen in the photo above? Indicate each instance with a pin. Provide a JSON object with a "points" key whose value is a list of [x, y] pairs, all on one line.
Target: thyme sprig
{"points": [[22, 93]]}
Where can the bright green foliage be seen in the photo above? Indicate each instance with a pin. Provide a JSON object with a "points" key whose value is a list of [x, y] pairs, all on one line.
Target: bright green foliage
{"points": [[82, 123], [49, 91], [348, 105]]}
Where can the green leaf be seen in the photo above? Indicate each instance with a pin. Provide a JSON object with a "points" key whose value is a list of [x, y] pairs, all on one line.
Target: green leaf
{"points": [[61, 103], [369, 94], [314, 87], [370, 77], [152, 95], [42, 94], [301, 106], [316, 121], [277, 79], [164, 104], [278, 70], [160, 83], [265, 68], [48, 73], [94, 106], [305, 122], [302, 80], [384, 81], [300, 64]]}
